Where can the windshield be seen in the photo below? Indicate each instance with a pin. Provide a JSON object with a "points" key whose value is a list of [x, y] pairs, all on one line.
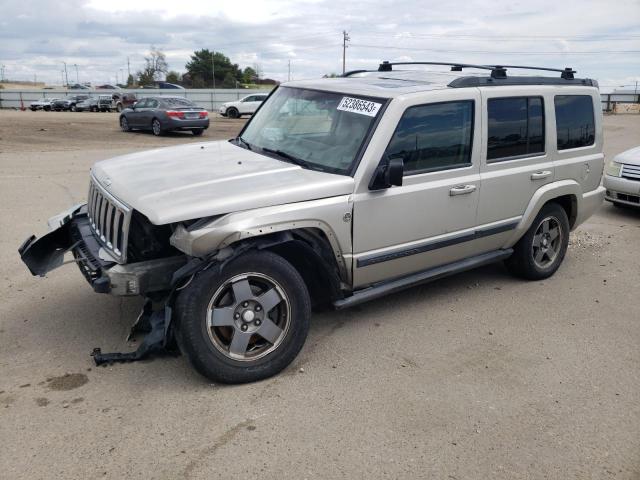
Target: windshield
{"points": [[317, 130]]}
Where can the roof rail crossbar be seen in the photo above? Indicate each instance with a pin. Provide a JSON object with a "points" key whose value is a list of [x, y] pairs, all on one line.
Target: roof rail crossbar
{"points": [[497, 71], [455, 67], [566, 73]]}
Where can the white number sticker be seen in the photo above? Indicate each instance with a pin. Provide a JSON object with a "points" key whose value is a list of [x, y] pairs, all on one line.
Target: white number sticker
{"points": [[357, 105]]}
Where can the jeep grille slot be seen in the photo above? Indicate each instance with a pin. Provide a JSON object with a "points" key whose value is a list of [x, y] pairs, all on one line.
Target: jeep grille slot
{"points": [[109, 220]]}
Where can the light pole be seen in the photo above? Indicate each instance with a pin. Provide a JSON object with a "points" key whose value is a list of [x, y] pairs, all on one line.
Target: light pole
{"points": [[66, 76], [213, 69], [122, 75], [77, 76]]}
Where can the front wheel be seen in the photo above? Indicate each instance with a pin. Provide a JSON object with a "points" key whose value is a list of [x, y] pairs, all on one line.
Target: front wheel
{"points": [[124, 124], [233, 113], [246, 322], [73, 108], [156, 127], [539, 253]]}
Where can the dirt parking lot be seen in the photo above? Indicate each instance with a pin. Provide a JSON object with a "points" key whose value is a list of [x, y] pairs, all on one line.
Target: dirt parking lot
{"points": [[478, 376]]}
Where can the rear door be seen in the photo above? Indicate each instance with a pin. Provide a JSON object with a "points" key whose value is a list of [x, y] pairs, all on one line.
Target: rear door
{"points": [[516, 156]]}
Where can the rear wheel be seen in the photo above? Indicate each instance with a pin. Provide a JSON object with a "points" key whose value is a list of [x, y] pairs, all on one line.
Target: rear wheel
{"points": [[246, 322], [156, 127], [124, 124], [539, 253], [233, 113], [119, 107]]}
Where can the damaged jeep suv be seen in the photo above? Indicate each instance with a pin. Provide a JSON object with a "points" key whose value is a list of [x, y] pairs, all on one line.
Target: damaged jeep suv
{"points": [[337, 191]]}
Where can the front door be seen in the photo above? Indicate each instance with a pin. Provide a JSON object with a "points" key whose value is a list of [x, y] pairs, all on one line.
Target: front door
{"points": [[428, 220]]}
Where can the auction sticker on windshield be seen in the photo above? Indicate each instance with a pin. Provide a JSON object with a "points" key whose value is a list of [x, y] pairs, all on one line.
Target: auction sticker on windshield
{"points": [[357, 105]]}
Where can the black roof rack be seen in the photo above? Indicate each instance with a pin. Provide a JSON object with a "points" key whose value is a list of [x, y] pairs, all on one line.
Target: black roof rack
{"points": [[498, 75]]}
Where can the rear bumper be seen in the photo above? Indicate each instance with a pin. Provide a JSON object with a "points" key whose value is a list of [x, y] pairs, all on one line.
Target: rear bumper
{"points": [[622, 190], [178, 124], [73, 234], [590, 202]]}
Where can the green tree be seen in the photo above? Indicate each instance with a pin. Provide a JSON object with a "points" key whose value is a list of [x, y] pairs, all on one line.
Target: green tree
{"points": [[172, 77], [249, 75], [202, 63], [130, 81]]}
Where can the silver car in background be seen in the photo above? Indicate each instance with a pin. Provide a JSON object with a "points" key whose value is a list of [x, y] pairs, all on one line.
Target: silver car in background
{"points": [[622, 178]]}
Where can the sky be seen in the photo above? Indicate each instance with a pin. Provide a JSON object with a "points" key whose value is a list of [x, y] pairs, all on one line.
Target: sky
{"points": [[599, 39]]}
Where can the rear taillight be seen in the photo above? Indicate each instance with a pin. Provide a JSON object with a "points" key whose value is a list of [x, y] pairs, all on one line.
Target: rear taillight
{"points": [[204, 114], [175, 114]]}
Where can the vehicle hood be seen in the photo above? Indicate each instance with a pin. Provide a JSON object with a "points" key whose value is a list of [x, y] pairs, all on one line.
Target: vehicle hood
{"points": [[199, 180], [630, 157]]}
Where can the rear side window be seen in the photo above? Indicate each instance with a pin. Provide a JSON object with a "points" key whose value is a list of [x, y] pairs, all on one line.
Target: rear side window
{"points": [[434, 137], [575, 124], [516, 127]]}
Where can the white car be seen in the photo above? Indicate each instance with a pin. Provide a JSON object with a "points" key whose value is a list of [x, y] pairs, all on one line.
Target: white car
{"points": [[42, 104], [245, 106], [622, 178]]}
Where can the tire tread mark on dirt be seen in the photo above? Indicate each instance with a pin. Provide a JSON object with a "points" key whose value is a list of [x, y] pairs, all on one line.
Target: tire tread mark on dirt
{"points": [[218, 443]]}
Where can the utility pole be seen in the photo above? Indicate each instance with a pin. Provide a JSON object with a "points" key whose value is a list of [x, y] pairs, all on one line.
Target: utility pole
{"points": [[122, 76], [213, 69], [66, 76], [77, 76], [289, 75], [345, 39], [128, 69], [2, 67]]}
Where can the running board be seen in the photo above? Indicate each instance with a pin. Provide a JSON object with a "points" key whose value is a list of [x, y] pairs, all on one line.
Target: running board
{"points": [[392, 286]]}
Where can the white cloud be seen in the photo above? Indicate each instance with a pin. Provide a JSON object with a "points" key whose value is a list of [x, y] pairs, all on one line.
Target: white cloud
{"points": [[99, 35]]}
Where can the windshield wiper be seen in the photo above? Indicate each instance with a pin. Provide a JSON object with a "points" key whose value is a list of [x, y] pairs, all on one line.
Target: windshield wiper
{"points": [[286, 156], [243, 142]]}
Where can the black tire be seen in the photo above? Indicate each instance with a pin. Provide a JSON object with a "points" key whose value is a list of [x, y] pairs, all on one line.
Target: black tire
{"points": [[124, 124], [156, 127], [198, 132], [524, 262], [119, 107], [73, 108], [47, 109], [233, 113], [196, 337]]}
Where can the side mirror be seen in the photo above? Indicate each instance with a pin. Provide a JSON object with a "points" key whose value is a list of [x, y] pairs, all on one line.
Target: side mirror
{"points": [[388, 174]]}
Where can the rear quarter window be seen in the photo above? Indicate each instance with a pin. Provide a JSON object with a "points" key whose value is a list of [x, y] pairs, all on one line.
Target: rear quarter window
{"points": [[575, 124]]}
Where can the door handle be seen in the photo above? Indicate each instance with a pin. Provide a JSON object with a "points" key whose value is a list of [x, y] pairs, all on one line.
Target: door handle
{"points": [[541, 175], [462, 190]]}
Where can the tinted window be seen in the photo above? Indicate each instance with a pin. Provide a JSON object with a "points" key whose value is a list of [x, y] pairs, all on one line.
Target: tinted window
{"points": [[434, 137], [152, 103], [516, 127], [142, 103], [575, 125]]}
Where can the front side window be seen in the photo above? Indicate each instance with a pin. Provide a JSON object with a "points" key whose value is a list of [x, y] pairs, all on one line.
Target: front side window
{"points": [[315, 129], [515, 127], [575, 125], [434, 137]]}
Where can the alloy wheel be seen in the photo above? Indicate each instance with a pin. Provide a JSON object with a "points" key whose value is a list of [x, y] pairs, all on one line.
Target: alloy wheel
{"points": [[547, 242], [248, 317]]}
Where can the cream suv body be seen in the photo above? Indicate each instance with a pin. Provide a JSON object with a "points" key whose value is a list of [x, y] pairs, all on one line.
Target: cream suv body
{"points": [[337, 191]]}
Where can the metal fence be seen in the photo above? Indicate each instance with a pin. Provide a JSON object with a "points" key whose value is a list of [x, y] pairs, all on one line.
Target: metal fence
{"points": [[620, 102], [212, 99], [204, 97]]}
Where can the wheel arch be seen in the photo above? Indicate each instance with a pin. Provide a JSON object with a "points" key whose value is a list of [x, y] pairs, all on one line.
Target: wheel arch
{"points": [[567, 193]]}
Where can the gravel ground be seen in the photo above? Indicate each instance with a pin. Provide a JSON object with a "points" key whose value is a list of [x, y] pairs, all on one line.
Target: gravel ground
{"points": [[478, 376]]}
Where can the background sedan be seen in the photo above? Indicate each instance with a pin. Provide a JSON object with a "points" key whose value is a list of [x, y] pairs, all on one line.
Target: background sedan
{"points": [[164, 114]]}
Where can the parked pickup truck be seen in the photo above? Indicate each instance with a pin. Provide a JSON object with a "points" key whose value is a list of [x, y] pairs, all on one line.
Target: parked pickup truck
{"points": [[337, 191]]}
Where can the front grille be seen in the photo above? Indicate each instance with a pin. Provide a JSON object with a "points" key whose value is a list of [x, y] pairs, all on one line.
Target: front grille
{"points": [[628, 198], [109, 220], [632, 172]]}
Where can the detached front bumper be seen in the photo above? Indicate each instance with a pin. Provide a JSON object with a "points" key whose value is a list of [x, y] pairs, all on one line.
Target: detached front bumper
{"points": [[71, 233]]}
